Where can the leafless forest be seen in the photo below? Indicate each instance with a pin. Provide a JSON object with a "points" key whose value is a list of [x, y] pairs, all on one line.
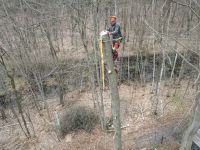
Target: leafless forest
{"points": [[51, 94]]}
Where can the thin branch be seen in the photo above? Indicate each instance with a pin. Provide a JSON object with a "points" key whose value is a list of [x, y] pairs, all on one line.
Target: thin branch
{"points": [[162, 36], [32, 7], [51, 72], [187, 5]]}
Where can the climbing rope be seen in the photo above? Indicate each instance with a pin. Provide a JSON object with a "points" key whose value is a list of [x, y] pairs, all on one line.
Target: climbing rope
{"points": [[102, 62]]}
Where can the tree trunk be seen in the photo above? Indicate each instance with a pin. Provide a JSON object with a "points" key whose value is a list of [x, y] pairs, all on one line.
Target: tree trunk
{"points": [[3, 114], [192, 129], [98, 95], [2, 106], [112, 76]]}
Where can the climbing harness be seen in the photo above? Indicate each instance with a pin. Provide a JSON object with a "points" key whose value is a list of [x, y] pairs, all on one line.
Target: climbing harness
{"points": [[118, 39]]}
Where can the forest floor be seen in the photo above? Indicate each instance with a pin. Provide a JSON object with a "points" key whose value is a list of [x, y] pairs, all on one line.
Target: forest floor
{"points": [[142, 130]]}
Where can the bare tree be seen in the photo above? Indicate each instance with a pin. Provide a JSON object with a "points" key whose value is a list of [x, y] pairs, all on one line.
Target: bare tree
{"points": [[193, 127], [112, 75]]}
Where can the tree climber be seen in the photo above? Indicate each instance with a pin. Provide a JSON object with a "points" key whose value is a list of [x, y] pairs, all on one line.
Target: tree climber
{"points": [[115, 31]]}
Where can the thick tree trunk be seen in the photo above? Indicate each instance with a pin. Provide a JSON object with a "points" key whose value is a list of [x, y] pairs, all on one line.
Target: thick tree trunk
{"points": [[192, 129], [112, 76]]}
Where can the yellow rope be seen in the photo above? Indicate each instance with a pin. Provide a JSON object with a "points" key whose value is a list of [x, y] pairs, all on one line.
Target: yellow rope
{"points": [[102, 61]]}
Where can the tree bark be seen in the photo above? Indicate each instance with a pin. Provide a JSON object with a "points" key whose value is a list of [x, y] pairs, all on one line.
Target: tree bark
{"points": [[112, 77]]}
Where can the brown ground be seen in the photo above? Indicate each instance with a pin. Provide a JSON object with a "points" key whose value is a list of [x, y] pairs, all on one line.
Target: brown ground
{"points": [[137, 118]]}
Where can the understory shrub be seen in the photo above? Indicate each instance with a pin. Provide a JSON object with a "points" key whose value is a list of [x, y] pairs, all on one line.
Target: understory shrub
{"points": [[79, 118]]}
